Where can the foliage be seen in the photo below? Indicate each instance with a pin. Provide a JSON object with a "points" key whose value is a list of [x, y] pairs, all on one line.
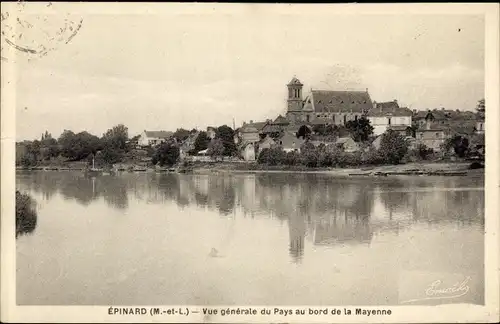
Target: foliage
{"points": [[114, 144], [459, 144], [371, 157], [360, 129], [393, 147], [26, 217], [182, 134], [226, 135], [423, 151], [481, 106], [116, 137], [167, 154], [292, 158], [78, 146], [272, 156], [216, 148], [201, 142], [304, 132]]}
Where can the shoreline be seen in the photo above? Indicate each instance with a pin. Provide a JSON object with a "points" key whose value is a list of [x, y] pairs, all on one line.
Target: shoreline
{"points": [[409, 169]]}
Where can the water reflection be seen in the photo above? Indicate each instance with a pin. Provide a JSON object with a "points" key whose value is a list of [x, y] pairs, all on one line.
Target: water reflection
{"points": [[333, 211], [296, 238]]}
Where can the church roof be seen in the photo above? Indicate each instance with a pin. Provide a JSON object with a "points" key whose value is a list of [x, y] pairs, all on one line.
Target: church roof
{"points": [[295, 81], [341, 101]]}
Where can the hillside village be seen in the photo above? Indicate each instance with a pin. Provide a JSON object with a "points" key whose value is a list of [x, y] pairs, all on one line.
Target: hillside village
{"points": [[309, 118]]}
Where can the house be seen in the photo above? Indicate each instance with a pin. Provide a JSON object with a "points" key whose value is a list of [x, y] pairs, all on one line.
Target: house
{"points": [[289, 142], [152, 138], [251, 132], [325, 106], [388, 115], [347, 144], [267, 142], [247, 151], [431, 135]]}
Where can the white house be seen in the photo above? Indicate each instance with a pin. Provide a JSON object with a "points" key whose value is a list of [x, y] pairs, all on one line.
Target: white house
{"points": [[388, 114], [151, 138]]}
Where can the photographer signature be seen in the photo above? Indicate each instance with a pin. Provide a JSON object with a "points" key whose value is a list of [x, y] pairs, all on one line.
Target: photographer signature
{"points": [[437, 291]]}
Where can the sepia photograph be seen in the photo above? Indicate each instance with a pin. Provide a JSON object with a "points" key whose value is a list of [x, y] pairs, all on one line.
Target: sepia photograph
{"points": [[287, 162]]}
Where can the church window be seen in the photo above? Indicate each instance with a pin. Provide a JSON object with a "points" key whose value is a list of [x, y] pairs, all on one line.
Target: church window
{"points": [[345, 119]]}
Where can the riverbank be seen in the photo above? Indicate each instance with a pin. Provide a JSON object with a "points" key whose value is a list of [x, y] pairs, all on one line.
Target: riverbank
{"points": [[443, 169], [430, 169]]}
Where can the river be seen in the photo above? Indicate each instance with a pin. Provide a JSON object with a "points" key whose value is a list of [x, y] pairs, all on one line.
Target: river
{"points": [[259, 239]]}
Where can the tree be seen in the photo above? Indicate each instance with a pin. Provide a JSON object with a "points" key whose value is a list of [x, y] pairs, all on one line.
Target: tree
{"points": [[216, 148], [201, 142], [393, 147], [167, 154], [360, 129], [114, 144], [116, 137], [226, 135], [459, 144], [304, 132], [76, 147], [49, 147], [272, 156], [423, 151], [181, 134], [481, 106]]}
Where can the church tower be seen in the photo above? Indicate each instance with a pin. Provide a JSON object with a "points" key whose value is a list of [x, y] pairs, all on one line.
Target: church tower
{"points": [[294, 101]]}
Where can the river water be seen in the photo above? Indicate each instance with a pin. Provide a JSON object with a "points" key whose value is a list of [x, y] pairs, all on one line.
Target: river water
{"points": [[251, 239]]}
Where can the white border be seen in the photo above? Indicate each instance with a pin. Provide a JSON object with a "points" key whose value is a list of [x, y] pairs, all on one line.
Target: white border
{"points": [[409, 314]]}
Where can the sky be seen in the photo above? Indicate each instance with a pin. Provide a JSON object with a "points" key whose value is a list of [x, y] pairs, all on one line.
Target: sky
{"points": [[165, 69]]}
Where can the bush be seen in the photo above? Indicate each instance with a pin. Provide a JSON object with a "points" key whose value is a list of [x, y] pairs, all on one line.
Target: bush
{"points": [[26, 217], [372, 157], [292, 158], [393, 147], [166, 154], [272, 156]]}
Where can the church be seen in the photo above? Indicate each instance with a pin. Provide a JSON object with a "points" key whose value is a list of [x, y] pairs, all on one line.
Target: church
{"points": [[325, 106]]}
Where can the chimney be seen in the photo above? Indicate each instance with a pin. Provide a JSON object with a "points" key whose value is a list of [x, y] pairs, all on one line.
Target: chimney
{"points": [[415, 111]]}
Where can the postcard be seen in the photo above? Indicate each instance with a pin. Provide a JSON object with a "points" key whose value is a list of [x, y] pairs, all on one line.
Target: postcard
{"points": [[249, 162]]}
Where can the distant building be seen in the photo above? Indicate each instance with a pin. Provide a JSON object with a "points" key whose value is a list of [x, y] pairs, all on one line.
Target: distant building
{"points": [[325, 106], [247, 151], [347, 144], [388, 115], [152, 138], [267, 142], [431, 135], [289, 142]]}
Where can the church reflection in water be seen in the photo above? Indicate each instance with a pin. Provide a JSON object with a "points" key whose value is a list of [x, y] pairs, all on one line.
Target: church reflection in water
{"points": [[322, 209]]}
